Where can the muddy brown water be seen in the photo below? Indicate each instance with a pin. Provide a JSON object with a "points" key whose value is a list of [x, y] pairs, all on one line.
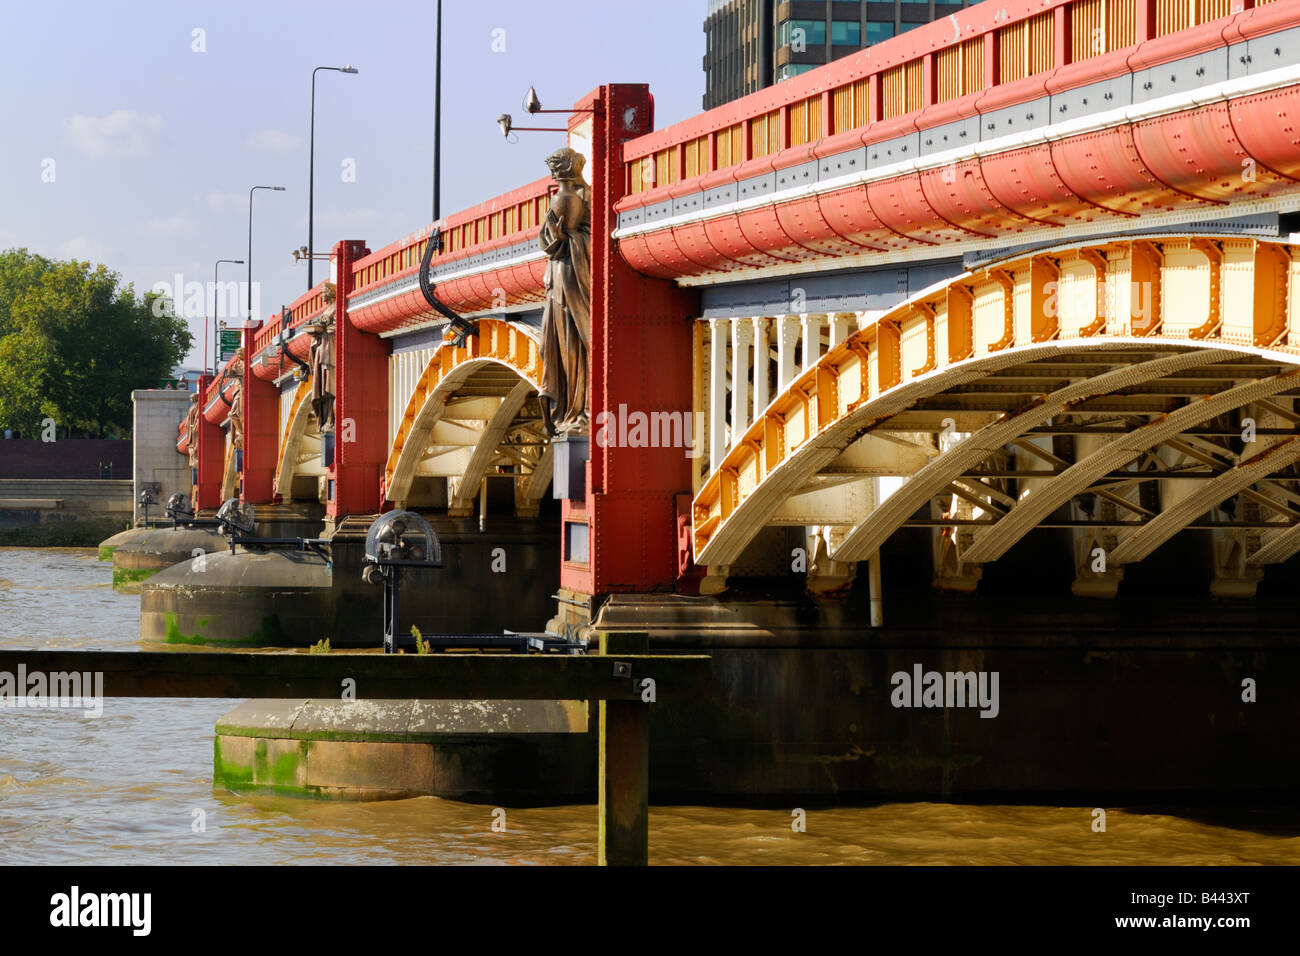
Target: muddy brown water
{"points": [[134, 786]]}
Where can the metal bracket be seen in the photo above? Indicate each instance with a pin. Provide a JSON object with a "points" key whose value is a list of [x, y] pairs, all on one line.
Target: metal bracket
{"points": [[462, 327], [285, 335]]}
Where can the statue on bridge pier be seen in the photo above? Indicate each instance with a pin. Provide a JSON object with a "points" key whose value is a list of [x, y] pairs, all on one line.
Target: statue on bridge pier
{"points": [[565, 237], [322, 363], [235, 370], [192, 430]]}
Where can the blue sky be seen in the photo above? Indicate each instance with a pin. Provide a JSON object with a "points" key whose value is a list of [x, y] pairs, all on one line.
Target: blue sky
{"points": [[154, 145]]}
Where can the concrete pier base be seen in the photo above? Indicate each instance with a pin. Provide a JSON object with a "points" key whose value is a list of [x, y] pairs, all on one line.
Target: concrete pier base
{"points": [[140, 553], [518, 752], [807, 704], [810, 707], [492, 580], [299, 519], [1160, 691], [274, 599]]}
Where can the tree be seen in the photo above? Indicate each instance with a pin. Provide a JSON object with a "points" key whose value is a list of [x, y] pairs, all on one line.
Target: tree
{"points": [[73, 345], [19, 271]]}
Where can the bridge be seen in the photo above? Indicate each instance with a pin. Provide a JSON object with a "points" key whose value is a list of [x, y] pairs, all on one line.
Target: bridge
{"points": [[1031, 266]]}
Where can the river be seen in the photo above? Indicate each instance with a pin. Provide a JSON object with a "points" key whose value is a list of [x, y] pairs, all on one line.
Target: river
{"points": [[135, 787]]}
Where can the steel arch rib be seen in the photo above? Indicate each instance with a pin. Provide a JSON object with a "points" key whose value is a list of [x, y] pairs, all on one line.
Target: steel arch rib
{"points": [[481, 457], [406, 457], [498, 343], [1277, 546], [1140, 542], [229, 476], [539, 478], [294, 429], [989, 544], [869, 534], [740, 526]]}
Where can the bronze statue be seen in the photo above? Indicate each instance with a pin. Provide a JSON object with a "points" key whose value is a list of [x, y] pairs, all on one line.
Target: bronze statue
{"points": [[192, 430], [322, 364], [235, 370], [565, 237]]}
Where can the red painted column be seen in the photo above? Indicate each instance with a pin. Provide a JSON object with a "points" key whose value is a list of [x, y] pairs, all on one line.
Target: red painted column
{"points": [[261, 426], [212, 456], [361, 403], [640, 362]]}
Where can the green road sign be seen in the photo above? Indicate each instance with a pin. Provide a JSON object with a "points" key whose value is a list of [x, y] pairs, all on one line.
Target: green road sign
{"points": [[229, 343]]}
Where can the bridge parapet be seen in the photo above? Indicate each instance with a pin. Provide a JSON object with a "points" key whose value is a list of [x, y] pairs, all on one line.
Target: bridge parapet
{"points": [[489, 260], [267, 361], [219, 395], [1033, 118]]}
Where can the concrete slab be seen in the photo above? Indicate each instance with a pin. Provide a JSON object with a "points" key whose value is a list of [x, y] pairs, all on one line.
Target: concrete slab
{"points": [[521, 752], [354, 720], [498, 717], [268, 717]]}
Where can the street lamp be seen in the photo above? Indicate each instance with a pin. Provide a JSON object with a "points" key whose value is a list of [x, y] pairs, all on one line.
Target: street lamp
{"points": [[216, 341], [300, 255], [533, 106], [278, 189], [311, 171]]}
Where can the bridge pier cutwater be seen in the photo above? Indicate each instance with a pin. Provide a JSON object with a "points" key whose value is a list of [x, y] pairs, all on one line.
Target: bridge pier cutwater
{"points": [[1010, 317]]}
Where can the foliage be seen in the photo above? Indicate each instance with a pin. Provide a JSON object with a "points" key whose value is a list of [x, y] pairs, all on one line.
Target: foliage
{"points": [[74, 344], [421, 645], [19, 271], [320, 647]]}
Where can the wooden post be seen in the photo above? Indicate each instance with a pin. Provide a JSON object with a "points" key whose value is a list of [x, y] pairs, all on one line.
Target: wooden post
{"points": [[624, 774]]}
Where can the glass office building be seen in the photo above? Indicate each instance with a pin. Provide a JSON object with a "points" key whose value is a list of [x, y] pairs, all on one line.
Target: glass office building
{"points": [[755, 43]]}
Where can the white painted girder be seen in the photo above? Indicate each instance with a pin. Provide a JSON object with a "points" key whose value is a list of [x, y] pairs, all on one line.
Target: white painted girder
{"points": [[538, 479], [940, 473], [725, 546], [990, 544], [1137, 543], [1276, 546], [462, 499], [835, 504]]}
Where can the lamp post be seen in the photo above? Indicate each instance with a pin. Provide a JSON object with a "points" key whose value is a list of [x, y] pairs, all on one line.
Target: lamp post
{"points": [[278, 189], [216, 339], [311, 170], [437, 120]]}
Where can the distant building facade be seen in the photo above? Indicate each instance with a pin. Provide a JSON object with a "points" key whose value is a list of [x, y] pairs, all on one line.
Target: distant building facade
{"points": [[754, 43], [186, 379]]}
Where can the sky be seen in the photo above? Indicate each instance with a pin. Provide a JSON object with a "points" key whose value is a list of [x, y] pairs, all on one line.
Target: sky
{"points": [[132, 130]]}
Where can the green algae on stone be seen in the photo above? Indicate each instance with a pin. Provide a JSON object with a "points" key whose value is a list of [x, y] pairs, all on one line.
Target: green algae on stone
{"points": [[278, 776], [284, 768], [270, 634], [228, 773], [126, 577]]}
